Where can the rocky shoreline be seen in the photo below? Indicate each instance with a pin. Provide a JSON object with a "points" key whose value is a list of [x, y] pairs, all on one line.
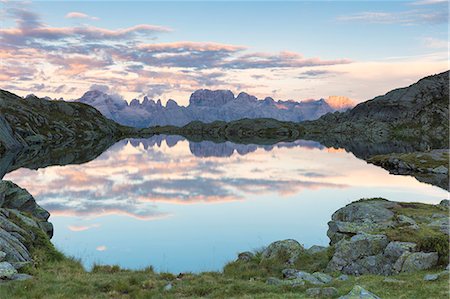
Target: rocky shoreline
{"points": [[429, 167], [367, 237], [23, 224]]}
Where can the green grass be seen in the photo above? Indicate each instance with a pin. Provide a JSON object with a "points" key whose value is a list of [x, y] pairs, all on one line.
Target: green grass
{"points": [[425, 161], [57, 276], [67, 279]]}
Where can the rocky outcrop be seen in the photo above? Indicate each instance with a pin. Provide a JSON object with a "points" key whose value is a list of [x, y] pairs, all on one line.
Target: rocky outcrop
{"points": [[367, 237], [21, 220], [33, 122], [7, 137], [430, 166], [208, 106], [419, 111]]}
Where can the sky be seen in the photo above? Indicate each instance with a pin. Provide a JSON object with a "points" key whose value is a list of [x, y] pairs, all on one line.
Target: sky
{"points": [[287, 50]]}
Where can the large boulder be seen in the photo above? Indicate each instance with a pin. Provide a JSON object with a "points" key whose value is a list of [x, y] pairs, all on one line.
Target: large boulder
{"points": [[381, 237], [361, 216], [297, 274], [360, 254], [7, 270], [416, 261], [289, 250], [395, 249]]}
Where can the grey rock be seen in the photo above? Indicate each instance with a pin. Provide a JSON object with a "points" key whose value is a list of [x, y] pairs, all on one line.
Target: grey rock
{"points": [[441, 169], [360, 254], [289, 248], [292, 274], [329, 292], [431, 277], [444, 203], [405, 220], [441, 223], [287, 282], [395, 249], [417, 261], [7, 270], [168, 287], [245, 256], [313, 292], [359, 293], [2, 256], [325, 278], [358, 217]]}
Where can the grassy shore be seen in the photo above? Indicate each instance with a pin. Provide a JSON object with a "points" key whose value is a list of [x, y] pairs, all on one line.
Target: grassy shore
{"points": [[57, 276]]}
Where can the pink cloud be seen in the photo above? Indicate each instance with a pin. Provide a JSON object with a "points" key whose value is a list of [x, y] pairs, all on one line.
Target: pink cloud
{"points": [[186, 46], [79, 15], [80, 228]]}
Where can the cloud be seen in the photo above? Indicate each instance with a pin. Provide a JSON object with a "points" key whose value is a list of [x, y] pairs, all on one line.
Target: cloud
{"points": [[79, 15], [129, 59], [281, 60], [101, 248], [317, 73], [435, 43], [429, 2], [156, 90], [410, 17], [80, 228], [99, 87], [31, 30]]}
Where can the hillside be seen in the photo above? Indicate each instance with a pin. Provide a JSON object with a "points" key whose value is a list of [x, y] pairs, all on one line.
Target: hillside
{"points": [[32, 121], [419, 111]]}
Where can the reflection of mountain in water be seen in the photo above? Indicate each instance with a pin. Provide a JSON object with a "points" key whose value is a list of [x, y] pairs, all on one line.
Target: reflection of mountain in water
{"points": [[225, 149]]}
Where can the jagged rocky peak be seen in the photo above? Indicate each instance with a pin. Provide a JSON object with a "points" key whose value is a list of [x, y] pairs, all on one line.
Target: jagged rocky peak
{"points": [[206, 97], [269, 101], [30, 96], [134, 103], [340, 103], [243, 96], [171, 104]]}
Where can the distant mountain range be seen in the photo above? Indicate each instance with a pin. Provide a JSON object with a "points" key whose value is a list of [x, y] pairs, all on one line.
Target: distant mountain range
{"points": [[208, 106]]}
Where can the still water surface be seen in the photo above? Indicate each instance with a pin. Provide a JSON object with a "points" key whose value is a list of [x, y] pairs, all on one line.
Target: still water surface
{"points": [[182, 206]]}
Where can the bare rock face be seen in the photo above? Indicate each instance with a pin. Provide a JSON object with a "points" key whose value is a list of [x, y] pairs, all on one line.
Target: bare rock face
{"points": [[205, 97], [206, 106], [20, 216]]}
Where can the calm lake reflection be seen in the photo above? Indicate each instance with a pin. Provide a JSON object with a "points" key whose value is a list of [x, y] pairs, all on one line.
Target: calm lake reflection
{"points": [[183, 206]]}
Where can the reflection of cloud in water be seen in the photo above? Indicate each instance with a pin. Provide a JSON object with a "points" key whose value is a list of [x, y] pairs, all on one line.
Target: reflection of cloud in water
{"points": [[130, 176], [82, 228]]}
